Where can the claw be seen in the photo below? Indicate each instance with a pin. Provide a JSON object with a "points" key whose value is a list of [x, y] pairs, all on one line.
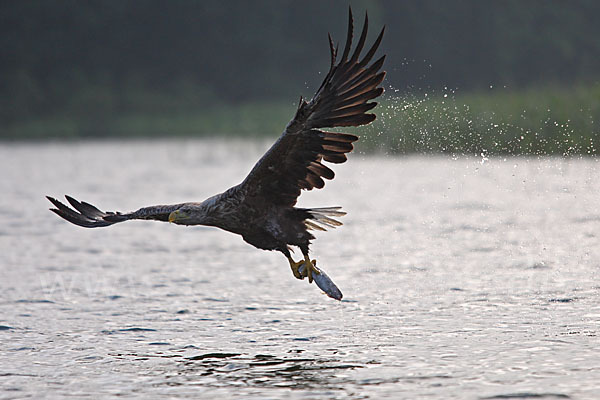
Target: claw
{"points": [[295, 266], [304, 268], [310, 269]]}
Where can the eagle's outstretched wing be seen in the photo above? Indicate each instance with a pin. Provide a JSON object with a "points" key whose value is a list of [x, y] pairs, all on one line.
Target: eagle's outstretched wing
{"points": [[294, 162], [88, 216]]}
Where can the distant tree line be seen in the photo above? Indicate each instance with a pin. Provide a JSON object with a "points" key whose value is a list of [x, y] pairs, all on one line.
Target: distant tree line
{"points": [[98, 56]]}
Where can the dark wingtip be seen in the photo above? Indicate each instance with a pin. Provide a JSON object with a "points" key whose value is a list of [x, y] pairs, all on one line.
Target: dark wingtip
{"points": [[348, 36], [72, 201], [83, 215], [332, 50], [55, 202], [380, 36]]}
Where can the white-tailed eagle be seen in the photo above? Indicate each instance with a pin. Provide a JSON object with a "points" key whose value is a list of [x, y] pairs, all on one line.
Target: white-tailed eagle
{"points": [[262, 208]]}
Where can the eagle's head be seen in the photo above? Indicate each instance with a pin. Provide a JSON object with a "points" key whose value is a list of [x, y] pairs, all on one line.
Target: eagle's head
{"points": [[189, 214]]}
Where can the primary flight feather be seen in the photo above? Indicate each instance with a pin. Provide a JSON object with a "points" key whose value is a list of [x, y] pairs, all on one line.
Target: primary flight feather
{"points": [[262, 208]]}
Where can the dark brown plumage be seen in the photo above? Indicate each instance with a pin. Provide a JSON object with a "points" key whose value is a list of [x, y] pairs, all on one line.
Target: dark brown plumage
{"points": [[261, 208]]}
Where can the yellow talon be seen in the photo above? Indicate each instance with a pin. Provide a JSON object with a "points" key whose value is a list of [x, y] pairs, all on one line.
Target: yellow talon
{"points": [[310, 268], [295, 266]]}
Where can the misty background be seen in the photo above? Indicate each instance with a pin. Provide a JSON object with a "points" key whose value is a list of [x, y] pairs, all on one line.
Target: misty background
{"points": [[463, 76]]}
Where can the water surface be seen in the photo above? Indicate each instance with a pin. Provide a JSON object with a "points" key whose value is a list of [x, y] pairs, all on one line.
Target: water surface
{"points": [[463, 278]]}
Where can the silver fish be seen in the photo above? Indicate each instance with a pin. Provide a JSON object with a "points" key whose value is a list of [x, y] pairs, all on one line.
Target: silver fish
{"points": [[325, 283]]}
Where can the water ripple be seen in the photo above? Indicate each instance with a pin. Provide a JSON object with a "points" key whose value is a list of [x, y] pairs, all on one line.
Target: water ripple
{"points": [[527, 395], [490, 290]]}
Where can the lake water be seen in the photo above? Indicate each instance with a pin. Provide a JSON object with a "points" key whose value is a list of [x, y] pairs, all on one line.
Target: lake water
{"points": [[466, 278]]}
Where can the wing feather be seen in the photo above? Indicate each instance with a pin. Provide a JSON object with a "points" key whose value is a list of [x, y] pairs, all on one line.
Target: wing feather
{"points": [[321, 170], [348, 36], [88, 216], [295, 161]]}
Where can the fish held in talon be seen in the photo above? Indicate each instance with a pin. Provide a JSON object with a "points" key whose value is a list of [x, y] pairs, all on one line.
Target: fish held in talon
{"points": [[262, 209], [324, 282]]}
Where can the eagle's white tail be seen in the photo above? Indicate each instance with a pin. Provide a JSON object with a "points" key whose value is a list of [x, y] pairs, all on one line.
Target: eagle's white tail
{"points": [[320, 218]]}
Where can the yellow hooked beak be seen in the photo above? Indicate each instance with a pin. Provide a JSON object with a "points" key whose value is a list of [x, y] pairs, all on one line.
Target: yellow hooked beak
{"points": [[179, 216], [173, 216]]}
